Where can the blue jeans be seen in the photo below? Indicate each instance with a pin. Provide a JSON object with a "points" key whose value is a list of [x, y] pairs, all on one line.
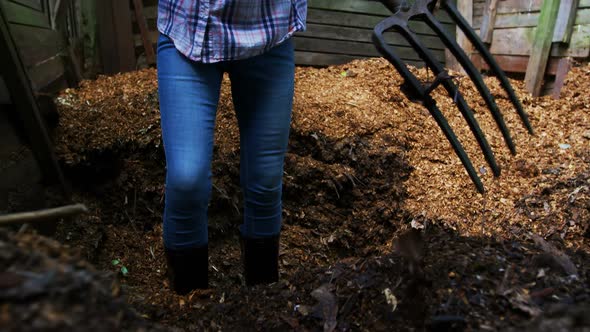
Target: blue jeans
{"points": [[262, 91]]}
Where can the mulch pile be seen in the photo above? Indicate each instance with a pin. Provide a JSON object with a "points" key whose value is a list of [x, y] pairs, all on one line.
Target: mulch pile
{"points": [[362, 99], [383, 228]]}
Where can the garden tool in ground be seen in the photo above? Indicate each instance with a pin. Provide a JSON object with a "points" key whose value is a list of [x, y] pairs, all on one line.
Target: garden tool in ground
{"points": [[422, 10]]}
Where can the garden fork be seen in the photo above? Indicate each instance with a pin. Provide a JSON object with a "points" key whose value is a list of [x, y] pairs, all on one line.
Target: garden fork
{"points": [[422, 10]]}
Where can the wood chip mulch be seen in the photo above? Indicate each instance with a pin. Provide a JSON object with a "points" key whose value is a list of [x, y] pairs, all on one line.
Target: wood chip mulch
{"points": [[365, 168], [362, 99]]}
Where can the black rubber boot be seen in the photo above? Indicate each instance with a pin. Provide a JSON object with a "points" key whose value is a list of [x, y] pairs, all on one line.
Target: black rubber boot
{"points": [[261, 260], [188, 269]]}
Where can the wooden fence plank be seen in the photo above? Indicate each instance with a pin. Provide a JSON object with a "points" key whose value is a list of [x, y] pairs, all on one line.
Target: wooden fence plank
{"points": [[514, 6], [90, 34], [565, 21], [513, 20], [22, 96], [582, 16], [46, 73], [488, 21], [363, 7], [541, 47], [353, 34], [465, 7], [36, 45], [335, 46], [322, 59], [562, 69], [19, 14], [503, 42], [514, 63], [360, 49], [321, 16], [579, 45], [354, 6], [33, 4], [528, 20]]}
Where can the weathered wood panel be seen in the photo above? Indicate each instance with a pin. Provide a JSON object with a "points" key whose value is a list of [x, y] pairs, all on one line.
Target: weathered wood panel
{"points": [[36, 45], [361, 7], [23, 98], [565, 21], [541, 48], [488, 21], [529, 20], [563, 68], [360, 20], [517, 20], [40, 48], [518, 41], [360, 35], [465, 8], [338, 23], [17, 13], [514, 64], [518, 6], [34, 4], [517, 23], [360, 49], [47, 73]]}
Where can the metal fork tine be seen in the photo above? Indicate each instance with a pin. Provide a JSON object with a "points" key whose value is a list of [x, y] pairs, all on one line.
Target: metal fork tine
{"points": [[417, 92], [415, 89], [489, 59], [473, 73], [453, 92], [430, 104]]}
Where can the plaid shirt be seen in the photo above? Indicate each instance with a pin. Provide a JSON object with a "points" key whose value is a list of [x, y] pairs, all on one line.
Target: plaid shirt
{"points": [[220, 30]]}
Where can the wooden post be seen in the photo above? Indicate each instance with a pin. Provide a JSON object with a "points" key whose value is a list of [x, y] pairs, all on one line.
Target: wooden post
{"points": [[563, 67], [89, 37], [465, 7], [57, 12], [59, 22], [116, 36], [488, 21], [18, 85], [565, 21], [145, 33], [541, 47]]}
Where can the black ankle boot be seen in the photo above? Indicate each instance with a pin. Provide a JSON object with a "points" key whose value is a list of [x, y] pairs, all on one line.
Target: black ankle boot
{"points": [[261, 260], [188, 269]]}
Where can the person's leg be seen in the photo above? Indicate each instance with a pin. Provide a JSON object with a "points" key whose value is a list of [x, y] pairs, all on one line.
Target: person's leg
{"points": [[262, 89], [189, 93]]}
